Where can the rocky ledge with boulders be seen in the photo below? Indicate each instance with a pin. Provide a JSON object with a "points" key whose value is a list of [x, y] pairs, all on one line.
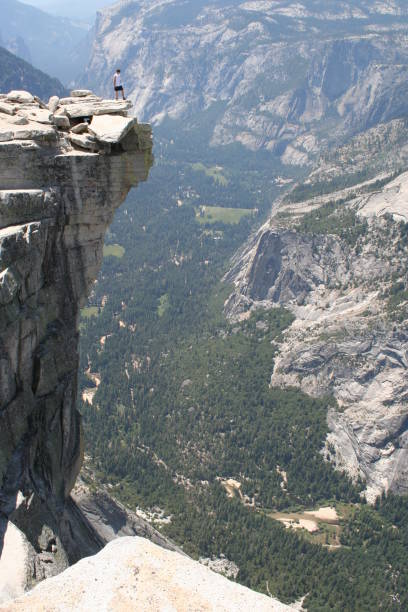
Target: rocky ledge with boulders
{"points": [[65, 166], [85, 120]]}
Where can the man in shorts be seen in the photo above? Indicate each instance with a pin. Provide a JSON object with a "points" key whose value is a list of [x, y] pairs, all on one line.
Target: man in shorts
{"points": [[117, 84]]}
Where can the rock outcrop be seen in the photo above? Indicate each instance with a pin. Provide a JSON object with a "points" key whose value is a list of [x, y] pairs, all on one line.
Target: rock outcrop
{"points": [[339, 262], [58, 193], [110, 519], [134, 574]]}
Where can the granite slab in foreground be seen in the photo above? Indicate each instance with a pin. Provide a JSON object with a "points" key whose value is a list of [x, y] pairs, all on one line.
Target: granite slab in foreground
{"points": [[135, 574]]}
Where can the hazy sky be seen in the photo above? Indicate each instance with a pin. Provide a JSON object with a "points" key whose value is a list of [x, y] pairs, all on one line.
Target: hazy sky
{"points": [[79, 9]]}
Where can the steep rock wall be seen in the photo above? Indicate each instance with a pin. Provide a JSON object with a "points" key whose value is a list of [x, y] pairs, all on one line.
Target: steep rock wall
{"points": [[349, 337], [59, 188], [288, 78]]}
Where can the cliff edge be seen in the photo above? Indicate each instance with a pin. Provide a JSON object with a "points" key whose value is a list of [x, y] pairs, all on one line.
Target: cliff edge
{"points": [[65, 167]]}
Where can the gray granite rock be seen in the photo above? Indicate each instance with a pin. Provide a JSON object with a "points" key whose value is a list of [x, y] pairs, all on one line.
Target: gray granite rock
{"points": [[76, 100], [61, 121], [18, 120], [344, 340], [53, 103], [20, 96], [84, 141], [135, 574], [56, 202], [36, 114], [88, 109], [81, 93], [80, 128], [7, 108], [110, 129]]}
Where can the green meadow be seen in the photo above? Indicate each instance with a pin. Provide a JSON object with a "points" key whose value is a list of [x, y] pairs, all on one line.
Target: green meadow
{"points": [[113, 250], [214, 214], [214, 172]]}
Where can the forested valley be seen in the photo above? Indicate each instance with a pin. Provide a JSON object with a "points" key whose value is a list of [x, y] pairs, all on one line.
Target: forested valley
{"points": [[177, 405]]}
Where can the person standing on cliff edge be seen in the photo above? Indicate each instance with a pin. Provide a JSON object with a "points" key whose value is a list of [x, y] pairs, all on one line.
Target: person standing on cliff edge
{"points": [[117, 84]]}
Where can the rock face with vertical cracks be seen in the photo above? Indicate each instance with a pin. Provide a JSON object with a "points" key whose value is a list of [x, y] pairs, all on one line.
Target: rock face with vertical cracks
{"points": [[348, 294], [60, 183]]}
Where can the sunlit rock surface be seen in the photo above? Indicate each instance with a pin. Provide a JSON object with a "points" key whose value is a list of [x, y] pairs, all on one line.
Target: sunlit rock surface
{"points": [[135, 574]]}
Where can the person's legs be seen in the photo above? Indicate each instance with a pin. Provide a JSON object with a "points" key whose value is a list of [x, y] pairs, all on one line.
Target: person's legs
{"points": [[116, 94]]}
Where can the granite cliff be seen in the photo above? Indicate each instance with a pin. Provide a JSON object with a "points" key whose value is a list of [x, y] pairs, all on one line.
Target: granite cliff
{"points": [[285, 77], [64, 169], [338, 262]]}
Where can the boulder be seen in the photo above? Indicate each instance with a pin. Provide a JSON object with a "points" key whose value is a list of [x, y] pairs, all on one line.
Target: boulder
{"points": [[18, 120], [84, 141], [110, 129], [80, 128], [71, 100], [8, 109], [53, 103], [36, 114], [61, 121], [81, 93], [20, 96], [29, 130], [5, 132], [61, 111], [17, 565], [87, 108], [34, 131]]}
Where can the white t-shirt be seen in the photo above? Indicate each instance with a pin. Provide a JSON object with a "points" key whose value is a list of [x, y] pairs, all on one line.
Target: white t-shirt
{"points": [[118, 79]]}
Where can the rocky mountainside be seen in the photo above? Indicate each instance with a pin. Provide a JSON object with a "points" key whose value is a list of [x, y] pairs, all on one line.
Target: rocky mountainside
{"points": [[285, 77], [16, 73], [64, 169], [46, 41], [338, 262]]}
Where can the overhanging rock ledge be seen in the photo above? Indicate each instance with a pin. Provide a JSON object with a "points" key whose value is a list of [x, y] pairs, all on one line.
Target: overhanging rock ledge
{"points": [[60, 183]]}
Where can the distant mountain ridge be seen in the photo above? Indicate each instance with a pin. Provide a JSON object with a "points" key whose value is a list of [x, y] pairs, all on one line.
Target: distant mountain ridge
{"points": [[75, 9], [16, 73], [49, 42], [285, 77]]}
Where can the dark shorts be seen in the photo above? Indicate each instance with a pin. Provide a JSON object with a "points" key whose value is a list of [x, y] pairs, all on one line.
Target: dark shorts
{"points": [[120, 88]]}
